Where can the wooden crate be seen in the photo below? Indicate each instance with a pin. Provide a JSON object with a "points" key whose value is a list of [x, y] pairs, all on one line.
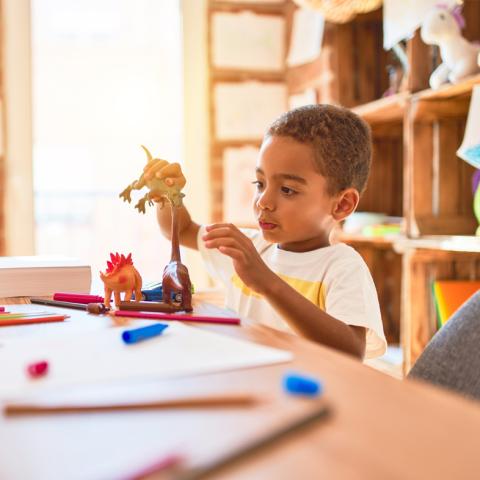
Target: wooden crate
{"points": [[421, 268], [438, 192], [384, 192], [386, 268], [352, 67]]}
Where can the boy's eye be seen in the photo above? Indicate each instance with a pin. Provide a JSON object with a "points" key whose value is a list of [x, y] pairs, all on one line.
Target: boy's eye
{"points": [[288, 191], [258, 184]]}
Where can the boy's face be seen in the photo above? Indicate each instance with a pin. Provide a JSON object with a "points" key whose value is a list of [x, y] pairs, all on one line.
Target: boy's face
{"points": [[292, 204]]}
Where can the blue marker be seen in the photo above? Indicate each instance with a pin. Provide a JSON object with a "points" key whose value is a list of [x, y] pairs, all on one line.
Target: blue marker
{"points": [[143, 333], [297, 384]]}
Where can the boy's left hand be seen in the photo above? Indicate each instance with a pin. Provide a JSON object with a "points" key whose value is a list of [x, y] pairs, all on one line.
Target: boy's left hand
{"points": [[247, 262]]}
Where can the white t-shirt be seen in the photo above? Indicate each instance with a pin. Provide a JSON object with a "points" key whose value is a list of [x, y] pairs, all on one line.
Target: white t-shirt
{"points": [[335, 278]]}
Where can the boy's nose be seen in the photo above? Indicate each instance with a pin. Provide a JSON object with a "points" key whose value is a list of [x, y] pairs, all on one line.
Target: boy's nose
{"points": [[265, 202]]}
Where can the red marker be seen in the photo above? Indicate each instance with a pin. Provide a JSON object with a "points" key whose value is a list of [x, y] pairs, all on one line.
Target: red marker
{"points": [[37, 369], [77, 297]]}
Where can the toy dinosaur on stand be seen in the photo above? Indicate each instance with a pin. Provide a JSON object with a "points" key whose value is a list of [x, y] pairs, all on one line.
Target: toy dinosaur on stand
{"points": [[175, 275], [157, 187]]}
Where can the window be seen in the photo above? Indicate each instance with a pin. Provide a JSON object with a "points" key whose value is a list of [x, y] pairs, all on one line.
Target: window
{"points": [[106, 78]]}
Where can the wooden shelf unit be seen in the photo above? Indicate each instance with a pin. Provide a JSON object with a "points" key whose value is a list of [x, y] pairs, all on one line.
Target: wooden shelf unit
{"points": [[415, 171]]}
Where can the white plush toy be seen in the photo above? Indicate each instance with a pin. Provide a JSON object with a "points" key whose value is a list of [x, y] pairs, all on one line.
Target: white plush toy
{"points": [[460, 58]]}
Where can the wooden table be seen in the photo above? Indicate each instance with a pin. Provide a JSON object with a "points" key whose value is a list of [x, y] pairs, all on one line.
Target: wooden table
{"points": [[379, 427]]}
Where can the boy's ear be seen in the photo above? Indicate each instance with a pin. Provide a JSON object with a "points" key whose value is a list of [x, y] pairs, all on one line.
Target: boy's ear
{"points": [[345, 204]]}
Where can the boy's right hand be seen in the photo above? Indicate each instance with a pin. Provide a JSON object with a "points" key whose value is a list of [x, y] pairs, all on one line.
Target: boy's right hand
{"points": [[171, 173]]}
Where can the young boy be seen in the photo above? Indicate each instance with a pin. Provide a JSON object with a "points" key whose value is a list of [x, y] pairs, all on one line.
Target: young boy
{"points": [[312, 167]]}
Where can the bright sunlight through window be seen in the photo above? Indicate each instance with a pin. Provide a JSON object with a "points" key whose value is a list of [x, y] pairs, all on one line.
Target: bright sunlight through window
{"points": [[106, 79]]}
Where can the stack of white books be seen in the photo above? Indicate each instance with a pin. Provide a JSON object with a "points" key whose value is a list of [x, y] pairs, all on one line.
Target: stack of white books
{"points": [[43, 275]]}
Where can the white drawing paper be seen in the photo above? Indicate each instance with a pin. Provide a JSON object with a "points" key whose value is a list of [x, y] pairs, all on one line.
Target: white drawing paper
{"points": [[306, 39], [470, 148], [99, 357], [245, 110], [307, 97], [248, 41], [238, 174]]}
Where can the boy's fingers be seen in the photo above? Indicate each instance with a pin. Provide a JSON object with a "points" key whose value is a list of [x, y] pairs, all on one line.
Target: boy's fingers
{"points": [[227, 232], [231, 252], [221, 241], [170, 170], [214, 226], [152, 167]]}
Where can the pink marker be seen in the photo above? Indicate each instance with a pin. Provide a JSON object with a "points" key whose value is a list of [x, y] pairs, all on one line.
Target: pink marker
{"points": [[77, 297], [37, 369], [2, 309]]}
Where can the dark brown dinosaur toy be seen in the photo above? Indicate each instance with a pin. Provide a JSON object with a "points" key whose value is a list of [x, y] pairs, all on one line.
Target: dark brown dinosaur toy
{"points": [[175, 275]]}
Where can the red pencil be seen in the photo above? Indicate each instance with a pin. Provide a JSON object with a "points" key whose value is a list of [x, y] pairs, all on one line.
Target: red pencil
{"points": [[28, 320], [177, 316]]}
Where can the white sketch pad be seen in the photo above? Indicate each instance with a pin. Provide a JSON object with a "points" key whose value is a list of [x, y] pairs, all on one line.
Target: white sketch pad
{"points": [[102, 356]]}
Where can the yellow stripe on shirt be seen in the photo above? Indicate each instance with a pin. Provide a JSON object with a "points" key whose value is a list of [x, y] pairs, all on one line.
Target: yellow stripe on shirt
{"points": [[313, 291]]}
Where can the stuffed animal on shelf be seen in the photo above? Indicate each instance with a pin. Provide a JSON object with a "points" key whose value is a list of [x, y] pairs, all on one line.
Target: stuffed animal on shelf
{"points": [[121, 276], [460, 58]]}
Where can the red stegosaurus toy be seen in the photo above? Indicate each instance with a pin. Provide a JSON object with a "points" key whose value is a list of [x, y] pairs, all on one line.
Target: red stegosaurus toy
{"points": [[121, 276]]}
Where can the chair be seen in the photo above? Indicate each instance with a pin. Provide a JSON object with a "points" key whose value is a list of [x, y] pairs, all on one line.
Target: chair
{"points": [[452, 358]]}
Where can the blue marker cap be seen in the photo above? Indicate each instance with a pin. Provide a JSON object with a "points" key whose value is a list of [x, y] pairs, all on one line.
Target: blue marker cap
{"points": [[297, 384], [143, 333]]}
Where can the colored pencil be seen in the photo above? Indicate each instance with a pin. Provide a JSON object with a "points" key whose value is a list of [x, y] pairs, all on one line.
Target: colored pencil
{"points": [[217, 401], [8, 322], [57, 303], [5, 315], [177, 316]]}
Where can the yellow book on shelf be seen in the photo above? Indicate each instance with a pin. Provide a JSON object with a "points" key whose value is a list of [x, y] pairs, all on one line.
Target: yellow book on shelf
{"points": [[450, 295]]}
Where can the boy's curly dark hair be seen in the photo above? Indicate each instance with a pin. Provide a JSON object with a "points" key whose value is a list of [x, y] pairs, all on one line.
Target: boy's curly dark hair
{"points": [[341, 142]]}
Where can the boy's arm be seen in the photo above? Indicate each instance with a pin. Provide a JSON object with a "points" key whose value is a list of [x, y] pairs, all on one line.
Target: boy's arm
{"points": [[187, 228], [310, 321], [301, 314]]}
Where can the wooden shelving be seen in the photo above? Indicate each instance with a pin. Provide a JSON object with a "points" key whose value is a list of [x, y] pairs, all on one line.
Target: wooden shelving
{"points": [[445, 243], [449, 91], [385, 110], [415, 172]]}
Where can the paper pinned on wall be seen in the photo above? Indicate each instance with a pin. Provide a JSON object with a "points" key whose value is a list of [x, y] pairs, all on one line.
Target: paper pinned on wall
{"points": [[245, 110], [470, 148], [307, 97], [88, 358], [248, 41], [306, 39], [238, 175], [402, 18]]}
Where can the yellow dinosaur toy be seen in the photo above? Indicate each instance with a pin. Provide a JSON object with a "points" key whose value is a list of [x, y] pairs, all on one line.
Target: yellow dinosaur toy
{"points": [[157, 187], [121, 276]]}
